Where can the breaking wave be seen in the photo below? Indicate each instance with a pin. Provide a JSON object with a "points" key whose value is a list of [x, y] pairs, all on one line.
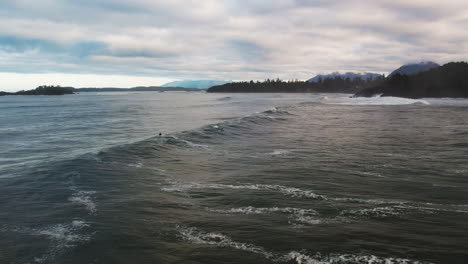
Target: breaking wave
{"points": [[196, 236], [289, 191]]}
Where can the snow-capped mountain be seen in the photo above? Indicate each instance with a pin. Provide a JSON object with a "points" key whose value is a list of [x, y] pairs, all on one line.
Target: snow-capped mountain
{"points": [[350, 75]]}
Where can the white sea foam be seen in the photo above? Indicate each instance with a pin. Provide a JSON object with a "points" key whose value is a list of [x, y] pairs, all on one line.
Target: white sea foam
{"points": [[305, 220], [84, 198], [279, 152], [193, 145], [136, 165], [285, 190], [373, 174], [196, 236], [379, 212], [61, 237], [301, 258], [297, 216], [289, 191], [62, 233], [376, 101], [265, 210], [401, 210], [444, 185], [367, 201]]}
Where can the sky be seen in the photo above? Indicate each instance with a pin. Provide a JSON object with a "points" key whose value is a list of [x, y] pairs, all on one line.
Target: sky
{"points": [[125, 43]]}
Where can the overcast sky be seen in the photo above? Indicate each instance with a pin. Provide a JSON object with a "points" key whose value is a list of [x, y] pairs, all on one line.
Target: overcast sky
{"points": [[125, 43]]}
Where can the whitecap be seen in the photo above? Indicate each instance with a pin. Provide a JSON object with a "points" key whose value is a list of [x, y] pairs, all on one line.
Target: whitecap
{"points": [[378, 212], [196, 236], [301, 258], [297, 216], [265, 210], [61, 237], [387, 100], [289, 191], [136, 165], [444, 185], [193, 235], [84, 198], [400, 210], [373, 174], [279, 152], [193, 145]]}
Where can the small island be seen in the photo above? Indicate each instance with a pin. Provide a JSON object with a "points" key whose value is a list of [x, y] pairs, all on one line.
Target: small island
{"points": [[59, 90], [44, 90]]}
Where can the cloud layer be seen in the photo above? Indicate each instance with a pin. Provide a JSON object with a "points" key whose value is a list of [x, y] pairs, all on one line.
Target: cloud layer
{"points": [[227, 39]]}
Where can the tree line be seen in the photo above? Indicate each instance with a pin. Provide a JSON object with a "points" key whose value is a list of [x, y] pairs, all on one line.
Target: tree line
{"points": [[328, 85]]}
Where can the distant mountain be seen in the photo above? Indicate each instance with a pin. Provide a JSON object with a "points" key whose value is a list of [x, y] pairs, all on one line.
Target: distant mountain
{"points": [[198, 84], [411, 69], [351, 75], [449, 80]]}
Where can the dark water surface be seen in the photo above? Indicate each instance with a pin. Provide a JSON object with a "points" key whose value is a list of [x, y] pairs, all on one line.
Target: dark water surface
{"points": [[314, 179]]}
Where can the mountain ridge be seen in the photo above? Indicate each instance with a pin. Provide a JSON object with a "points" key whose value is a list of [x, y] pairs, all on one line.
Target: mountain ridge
{"points": [[414, 68], [351, 75]]}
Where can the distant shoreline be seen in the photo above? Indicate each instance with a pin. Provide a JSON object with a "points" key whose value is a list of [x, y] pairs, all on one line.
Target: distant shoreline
{"points": [[58, 90]]}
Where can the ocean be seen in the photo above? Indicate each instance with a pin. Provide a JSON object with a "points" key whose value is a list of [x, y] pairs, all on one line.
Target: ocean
{"points": [[234, 178]]}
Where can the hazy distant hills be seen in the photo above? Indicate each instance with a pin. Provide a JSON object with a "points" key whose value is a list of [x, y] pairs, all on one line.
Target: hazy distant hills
{"points": [[351, 75], [137, 89], [58, 90], [414, 68], [449, 80], [198, 84]]}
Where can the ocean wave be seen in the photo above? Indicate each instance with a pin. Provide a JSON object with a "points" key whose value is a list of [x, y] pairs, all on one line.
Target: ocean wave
{"points": [[198, 139], [279, 152], [285, 190], [265, 210], [297, 216], [387, 100], [276, 110], [136, 165], [444, 185], [176, 141], [400, 211], [294, 192], [301, 258], [193, 235], [196, 236], [289, 191]]}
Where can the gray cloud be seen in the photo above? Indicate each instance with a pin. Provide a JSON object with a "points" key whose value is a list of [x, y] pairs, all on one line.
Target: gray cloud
{"points": [[228, 39]]}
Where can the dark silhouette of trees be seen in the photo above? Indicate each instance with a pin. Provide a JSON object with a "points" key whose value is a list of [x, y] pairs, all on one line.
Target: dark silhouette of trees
{"points": [[44, 90], [328, 85], [449, 80]]}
